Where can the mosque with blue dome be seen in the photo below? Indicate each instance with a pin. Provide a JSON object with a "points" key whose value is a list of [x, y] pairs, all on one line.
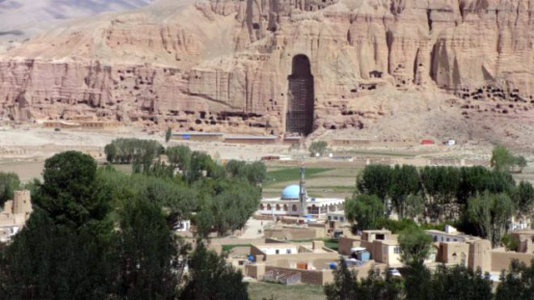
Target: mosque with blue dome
{"points": [[288, 204]]}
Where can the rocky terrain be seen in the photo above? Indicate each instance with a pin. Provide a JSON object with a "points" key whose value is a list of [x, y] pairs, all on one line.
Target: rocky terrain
{"points": [[22, 19], [380, 69]]}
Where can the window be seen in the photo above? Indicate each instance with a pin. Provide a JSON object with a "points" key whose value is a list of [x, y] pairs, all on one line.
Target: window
{"points": [[380, 236], [288, 251], [277, 251], [294, 207], [396, 250]]}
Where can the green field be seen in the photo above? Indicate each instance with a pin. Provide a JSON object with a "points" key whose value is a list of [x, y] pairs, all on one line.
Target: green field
{"points": [[336, 182], [290, 174], [268, 291]]}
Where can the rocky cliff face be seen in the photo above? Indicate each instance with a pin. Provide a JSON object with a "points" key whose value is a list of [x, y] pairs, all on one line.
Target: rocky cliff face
{"points": [[226, 65]]}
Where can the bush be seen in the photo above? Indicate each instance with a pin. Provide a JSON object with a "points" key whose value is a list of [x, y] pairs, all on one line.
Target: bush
{"points": [[510, 243], [396, 226], [318, 147]]}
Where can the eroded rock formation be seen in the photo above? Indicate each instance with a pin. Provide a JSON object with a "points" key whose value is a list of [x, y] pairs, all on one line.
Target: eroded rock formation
{"points": [[224, 65]]}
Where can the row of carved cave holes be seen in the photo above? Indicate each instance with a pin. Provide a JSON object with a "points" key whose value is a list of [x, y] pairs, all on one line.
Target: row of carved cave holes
{"points": [[203, 115], [140, 79], [491, 91], [514, 97], [59, 100], [358, 125], [136, 87], [503, 111], [232, 123], [497, 107], [172, 71]]}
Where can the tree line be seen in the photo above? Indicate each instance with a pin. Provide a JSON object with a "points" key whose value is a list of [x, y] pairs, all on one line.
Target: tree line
{"points": [[97, 233], [478, 200], [419, 283], [222, 198], [140, 153]]}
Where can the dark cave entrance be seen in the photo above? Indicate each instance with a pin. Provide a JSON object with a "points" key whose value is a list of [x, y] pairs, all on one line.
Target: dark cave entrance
{"points": [[299, 117]]}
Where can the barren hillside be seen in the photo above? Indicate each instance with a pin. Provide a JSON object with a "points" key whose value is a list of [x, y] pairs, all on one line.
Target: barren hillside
{"points": [[21, 19], [371, 69]]}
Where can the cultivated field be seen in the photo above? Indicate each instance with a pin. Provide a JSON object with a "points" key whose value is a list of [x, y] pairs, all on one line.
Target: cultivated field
{"points": [[268, 291]]}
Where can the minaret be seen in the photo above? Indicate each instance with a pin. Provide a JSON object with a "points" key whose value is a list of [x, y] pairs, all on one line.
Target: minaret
{"points": [[302, 193]]}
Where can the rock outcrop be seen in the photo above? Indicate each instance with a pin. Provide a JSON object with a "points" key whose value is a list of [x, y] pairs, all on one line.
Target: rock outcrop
{"points": [[225, 65]]}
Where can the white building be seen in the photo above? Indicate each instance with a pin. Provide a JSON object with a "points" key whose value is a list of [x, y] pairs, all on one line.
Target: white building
{"points": [[288, 204], [337, 216], [182, 226], [449, 235]]}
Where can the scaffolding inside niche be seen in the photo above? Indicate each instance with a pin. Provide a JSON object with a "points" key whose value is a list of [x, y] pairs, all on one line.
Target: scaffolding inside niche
{"points": [[300, 109]]}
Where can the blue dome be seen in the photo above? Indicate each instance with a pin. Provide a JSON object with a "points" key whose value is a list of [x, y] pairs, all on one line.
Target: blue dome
{"points": [[291, 192]]}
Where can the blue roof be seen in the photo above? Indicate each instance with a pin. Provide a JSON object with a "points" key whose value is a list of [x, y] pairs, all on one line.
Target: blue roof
{"points": [[291, 192]]}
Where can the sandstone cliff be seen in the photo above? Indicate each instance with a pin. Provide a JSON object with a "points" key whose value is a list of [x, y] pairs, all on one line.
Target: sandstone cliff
{"points": [[224, 65]]}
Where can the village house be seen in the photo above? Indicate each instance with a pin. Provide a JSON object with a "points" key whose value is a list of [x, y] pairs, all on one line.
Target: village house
{"points": [[14, 215], [292, 263]]}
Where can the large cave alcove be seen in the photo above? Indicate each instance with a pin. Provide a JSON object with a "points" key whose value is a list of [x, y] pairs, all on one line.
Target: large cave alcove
{"points": [[300, 112]]}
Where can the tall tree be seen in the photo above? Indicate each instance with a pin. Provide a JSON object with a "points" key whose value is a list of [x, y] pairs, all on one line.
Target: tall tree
{"points": [[501, 159], [380, 287], [404, 182], [211, 278], [367, 211], [62, 253], [374, 180], [9, 182], [415, 245], [490, 214], [418, 281], [414, 206], [70, 194], [373, 287], [524, 197], [461, 283], [520, 162], [518, 283], [168, 134], [51, 261], [345, 285], [180, 158], [147, 252]]}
